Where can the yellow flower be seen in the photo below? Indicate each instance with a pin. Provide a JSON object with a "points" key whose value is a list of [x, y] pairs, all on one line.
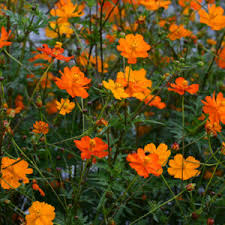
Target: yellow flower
{"points": [[116, 88], [162, 151], [61, 28], [183, 169], [65, 106], [40, 213]]}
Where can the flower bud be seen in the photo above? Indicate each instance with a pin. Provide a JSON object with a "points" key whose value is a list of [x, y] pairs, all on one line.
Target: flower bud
{"points": [[175, 146], [194, 216], [190, 187], [210, 221]]}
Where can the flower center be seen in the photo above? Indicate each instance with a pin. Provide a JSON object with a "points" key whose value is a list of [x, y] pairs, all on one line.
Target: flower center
{"points": [[147, 160], [92, 144], [75, 77], [133, 45], [185, 83], [37, 212]]}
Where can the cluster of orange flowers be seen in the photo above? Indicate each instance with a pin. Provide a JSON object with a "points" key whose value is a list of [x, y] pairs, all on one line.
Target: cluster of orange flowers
{"points": [[56, 52], [133, 83], [150, 160], [64, 9], [128, 84]]}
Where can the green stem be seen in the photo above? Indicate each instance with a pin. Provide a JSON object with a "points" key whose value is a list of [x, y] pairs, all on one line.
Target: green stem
{"points": [[182, 135], [157, 207], [36, 167], [164, 180]]}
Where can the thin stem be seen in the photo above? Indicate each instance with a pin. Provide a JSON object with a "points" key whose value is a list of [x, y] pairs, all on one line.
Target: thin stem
{"points": [[157, 207]]}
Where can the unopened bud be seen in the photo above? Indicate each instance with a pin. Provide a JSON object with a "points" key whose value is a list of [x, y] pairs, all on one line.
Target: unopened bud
{"points": [[190, 187]]}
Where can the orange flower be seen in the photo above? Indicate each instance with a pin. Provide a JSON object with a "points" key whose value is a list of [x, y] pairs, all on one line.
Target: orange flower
{"points": [[135, 81], [162, 152], [74, 82], [13, 172], [4, 38], [46, 80], [111, 38], [155, 4], [183, 169], [145, 163], [56, 52], [110, 9], [177, 32], [214, 19], [92, 148], [65, 9], [40, 213], [155, 102], [40, 127], [182, 85], [220, 60], [98, 62], [211, 42], [42, 56], [83, 58], [212, 127], [51, 107], [215, 107], [19, 103], [65, 106], [36, 187], [193, 4], [116, 88], [101, 122], [132, 47]]}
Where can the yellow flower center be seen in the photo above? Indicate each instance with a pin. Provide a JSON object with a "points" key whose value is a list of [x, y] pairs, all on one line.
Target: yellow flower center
{"points": [[65, 105], [37, 212], [133, 45], [185, 83], [147, 160], [118, 85], [92, 144], [75, 77], [58, 45]]}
